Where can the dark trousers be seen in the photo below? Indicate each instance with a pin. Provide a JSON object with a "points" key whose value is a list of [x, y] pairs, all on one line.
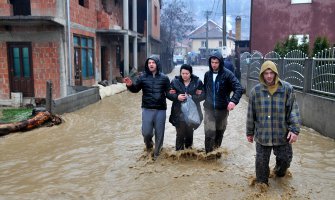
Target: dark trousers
{"points": [[215, 125], [283, 155], [184, 137]]}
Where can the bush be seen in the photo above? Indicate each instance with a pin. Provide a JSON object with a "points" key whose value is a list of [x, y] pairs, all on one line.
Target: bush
{"points": [[290, 44], [320, 44], [15, 115]]}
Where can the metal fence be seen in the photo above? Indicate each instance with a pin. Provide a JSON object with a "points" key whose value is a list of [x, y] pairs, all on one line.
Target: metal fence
{"points": [[323, 73], [311, 75]]}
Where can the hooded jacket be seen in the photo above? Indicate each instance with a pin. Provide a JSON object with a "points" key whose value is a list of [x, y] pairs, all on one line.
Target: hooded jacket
{"points": [[217, 94], [271, 117], [154, 87], [178, 85]]}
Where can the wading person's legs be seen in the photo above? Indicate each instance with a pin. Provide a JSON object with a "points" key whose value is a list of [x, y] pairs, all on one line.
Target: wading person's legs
{"points": [[262, 163], [284, 156]]}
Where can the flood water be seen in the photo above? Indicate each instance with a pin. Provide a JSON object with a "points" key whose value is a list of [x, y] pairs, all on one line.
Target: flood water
{"points": [[98, 153]]}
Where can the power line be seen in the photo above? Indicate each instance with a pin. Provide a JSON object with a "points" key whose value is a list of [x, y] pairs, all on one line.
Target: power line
{"points": [[213, 6]]}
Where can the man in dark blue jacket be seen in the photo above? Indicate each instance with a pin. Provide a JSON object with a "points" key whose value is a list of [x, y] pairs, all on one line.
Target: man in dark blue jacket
{"points": [[219, 82], [155, 86], [229, 65]]}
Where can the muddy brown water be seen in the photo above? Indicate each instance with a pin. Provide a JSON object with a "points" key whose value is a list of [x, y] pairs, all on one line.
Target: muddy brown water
{"points": [[98, 153]]}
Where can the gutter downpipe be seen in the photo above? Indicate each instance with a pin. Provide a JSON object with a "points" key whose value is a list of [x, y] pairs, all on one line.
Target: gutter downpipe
{"points": [[148, 27], [68, 21]]}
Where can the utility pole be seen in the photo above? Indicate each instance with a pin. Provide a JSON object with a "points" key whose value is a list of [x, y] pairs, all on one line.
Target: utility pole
{"points": [[207, 15], [224, 43]]}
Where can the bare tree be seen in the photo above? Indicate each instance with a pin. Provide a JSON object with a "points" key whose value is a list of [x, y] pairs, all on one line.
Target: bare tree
{"points": [[176, 22]]}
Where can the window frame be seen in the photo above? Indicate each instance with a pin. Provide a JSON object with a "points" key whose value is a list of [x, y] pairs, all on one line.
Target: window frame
{"points": [[300, 1], [90, 72], [84, 3]]}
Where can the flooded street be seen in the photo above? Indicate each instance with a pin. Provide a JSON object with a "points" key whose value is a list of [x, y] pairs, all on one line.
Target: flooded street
{"points": [[98, 153]]}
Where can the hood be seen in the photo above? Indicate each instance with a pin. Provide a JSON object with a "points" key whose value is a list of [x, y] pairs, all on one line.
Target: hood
{"points": [[156, 59], [268, 65], [218, 56]]}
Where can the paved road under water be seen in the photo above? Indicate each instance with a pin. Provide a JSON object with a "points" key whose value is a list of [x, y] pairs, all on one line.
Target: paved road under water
{"points": [[98, 153]]}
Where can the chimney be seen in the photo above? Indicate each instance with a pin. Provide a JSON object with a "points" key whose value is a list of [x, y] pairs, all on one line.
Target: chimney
{"points": [[238, 28]]}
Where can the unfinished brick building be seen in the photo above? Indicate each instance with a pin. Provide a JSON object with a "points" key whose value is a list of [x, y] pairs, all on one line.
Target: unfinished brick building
{"points": [[73, 43]]}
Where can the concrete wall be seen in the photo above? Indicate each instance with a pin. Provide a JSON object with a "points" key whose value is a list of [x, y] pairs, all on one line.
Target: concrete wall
{"points": [[75, 101], [317, 113]]}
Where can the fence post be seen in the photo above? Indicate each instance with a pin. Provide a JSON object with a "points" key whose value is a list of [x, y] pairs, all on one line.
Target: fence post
{"points": [[48, 97], [247, 78], [308, 75], [281, 68]]}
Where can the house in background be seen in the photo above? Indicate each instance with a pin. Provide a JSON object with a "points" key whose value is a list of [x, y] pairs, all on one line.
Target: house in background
{"points": [[198, 39], [182, 48], [274, 22], [73, 43]]}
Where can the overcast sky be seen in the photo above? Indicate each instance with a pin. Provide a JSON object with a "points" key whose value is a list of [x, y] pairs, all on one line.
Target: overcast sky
{"points": [[233, 8]]}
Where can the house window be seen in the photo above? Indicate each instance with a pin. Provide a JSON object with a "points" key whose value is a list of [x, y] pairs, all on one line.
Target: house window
{"points": [[203, 43], [84, 55], [83, 3], [21, 7], [155, 13], [220, 43], [300, 1], [302, 38]]}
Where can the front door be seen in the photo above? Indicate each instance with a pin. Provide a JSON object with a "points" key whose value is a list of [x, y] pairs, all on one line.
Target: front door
{"points": [[104, 64], [20, 68]]}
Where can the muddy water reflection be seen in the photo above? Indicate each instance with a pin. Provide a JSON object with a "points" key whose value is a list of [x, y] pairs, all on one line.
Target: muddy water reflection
{"points": [[98, 153]]}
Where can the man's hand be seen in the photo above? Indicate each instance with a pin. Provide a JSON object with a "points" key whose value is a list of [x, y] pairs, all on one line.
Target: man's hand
{"points": [[127, 81], [231, 106], [182, 97], [250, 138], [292, 137]]}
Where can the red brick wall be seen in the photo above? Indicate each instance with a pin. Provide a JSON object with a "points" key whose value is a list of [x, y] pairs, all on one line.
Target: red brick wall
{"points": [[5, 8], [155, 28], [46, 67], [43, 7], [38, 8], [82, 15], [4, 79]]}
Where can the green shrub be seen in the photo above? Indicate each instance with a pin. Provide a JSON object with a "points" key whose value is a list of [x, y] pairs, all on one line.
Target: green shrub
{"points": [[320, 44], [15, 115], [290, 44]]}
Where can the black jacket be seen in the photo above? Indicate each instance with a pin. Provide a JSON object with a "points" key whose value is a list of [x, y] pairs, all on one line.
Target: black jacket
{"points": [[154, 88], [178, 85], [218, 94]]}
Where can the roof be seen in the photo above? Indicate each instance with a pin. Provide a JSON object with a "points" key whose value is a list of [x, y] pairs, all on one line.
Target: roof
{"points": [[199, 27], [214, 33]]}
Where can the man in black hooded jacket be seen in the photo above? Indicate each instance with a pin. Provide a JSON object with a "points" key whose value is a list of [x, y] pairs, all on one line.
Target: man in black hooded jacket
{"points": [[155, 87], [219, 82]]}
